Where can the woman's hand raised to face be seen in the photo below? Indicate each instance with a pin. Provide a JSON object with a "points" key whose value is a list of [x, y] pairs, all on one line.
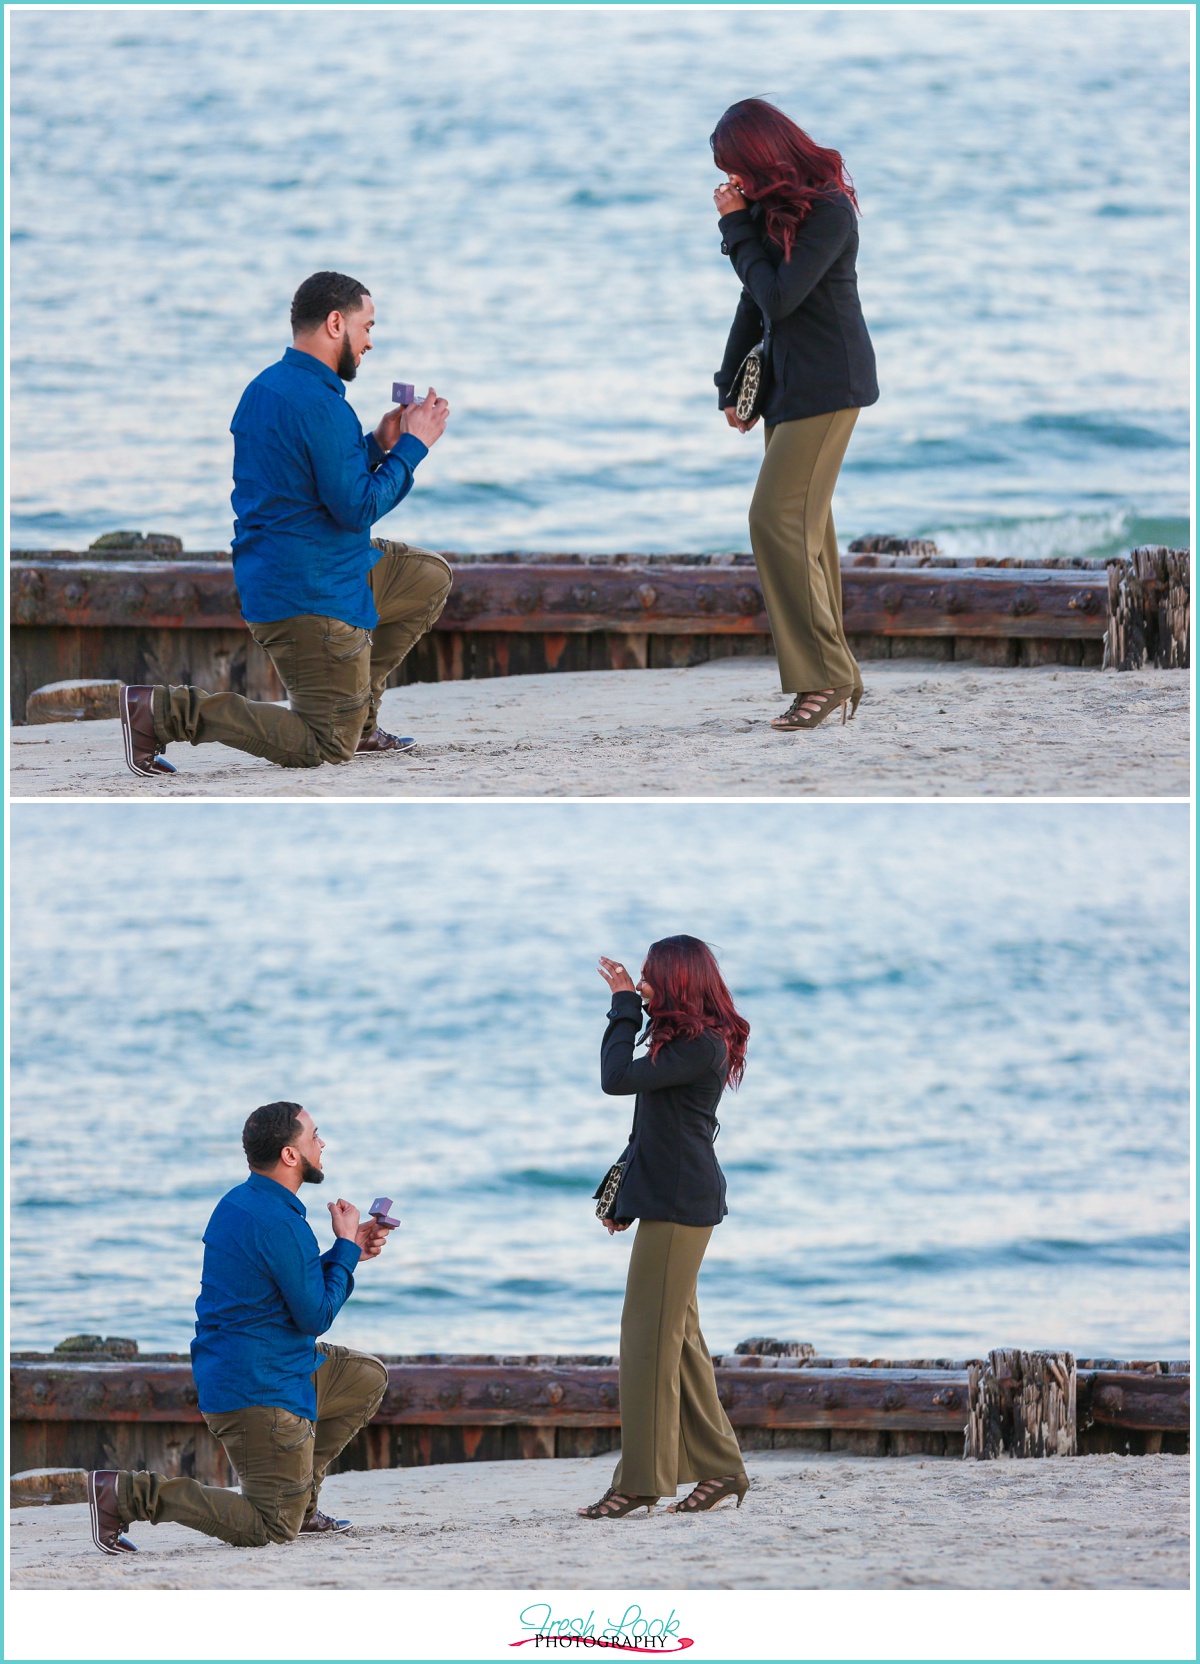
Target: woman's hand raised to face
{"points": [[617, 977], [728, 199]]}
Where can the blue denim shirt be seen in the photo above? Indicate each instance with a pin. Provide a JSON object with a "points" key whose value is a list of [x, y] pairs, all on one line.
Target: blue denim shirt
{"points": [[266, 1293], [307, 488]]}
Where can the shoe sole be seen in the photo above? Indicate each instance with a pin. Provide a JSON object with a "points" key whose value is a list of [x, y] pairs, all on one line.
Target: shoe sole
{"points": [[127, 738], [94, 1511]]}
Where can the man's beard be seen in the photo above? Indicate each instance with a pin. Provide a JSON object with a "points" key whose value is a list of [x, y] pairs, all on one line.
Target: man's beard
{"points": [[310, 1174], [346, 367]]}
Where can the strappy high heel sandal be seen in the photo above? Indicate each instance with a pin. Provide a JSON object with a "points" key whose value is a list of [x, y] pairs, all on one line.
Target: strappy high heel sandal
{"points": [[614, 1505], [809, 710], [709, 1492]]}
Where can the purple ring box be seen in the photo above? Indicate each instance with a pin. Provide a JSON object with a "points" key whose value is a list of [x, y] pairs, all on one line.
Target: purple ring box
{"points": [[403, 392], [379, 1210]]}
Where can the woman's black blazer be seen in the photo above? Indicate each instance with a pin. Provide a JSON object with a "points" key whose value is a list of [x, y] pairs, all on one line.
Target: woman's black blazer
{"points": [[671, 1169], [807, 310]]}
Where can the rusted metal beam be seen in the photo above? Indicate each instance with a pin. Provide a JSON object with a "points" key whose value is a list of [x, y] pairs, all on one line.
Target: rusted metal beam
{"points": [[581, 599]]}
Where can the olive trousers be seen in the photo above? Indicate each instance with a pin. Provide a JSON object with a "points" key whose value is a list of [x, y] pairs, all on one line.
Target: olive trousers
{"points": [[796, 552], [334, 673], [674, 1430], [280, 1459]]}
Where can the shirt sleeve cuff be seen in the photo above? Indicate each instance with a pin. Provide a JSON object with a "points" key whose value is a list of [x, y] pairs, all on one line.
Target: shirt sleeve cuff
{"points": [[375, 452], [345, 1252], [410, 449]]}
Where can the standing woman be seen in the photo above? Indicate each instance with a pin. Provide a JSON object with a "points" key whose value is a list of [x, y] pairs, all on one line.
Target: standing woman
{"points": [[789, 226], [673, 1428]]}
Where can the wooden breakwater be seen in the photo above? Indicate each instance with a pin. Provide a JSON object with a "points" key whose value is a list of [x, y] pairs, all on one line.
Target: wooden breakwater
{"points": [[73, 1413], [155, 615]]}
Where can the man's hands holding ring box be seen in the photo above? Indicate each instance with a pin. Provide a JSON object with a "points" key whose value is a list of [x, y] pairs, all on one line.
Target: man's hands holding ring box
{"points": [[426, 421], [424, 418], [370, 1233]]}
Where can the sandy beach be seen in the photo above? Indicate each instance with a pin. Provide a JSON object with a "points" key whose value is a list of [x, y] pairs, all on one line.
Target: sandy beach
{"points": [[923, 730], [809, 1522]]}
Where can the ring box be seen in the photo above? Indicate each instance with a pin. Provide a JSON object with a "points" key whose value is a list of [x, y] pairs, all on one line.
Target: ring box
{"points": [[380, 1210], [403, 392]]}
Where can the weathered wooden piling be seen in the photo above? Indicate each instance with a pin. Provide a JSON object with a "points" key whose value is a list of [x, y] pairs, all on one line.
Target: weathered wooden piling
{"points": [[1022, 1404], [1149, 610]]}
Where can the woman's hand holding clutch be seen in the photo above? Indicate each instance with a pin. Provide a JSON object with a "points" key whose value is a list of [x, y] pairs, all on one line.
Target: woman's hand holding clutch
{"points": [[612, 1226]]}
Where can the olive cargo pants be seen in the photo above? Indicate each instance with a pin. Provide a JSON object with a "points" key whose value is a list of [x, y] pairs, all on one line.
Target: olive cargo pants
{"points": [[796, 552], [674, 1430], [334, 673], [279, 1457]]}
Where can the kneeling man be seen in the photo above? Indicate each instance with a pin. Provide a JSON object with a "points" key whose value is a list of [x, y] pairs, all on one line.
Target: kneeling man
{"points": [[335, 612], [282, 1403]]}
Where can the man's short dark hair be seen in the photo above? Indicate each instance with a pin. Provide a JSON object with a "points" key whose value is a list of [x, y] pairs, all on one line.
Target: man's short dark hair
{"points": [[323, 293], [266, 1132]]}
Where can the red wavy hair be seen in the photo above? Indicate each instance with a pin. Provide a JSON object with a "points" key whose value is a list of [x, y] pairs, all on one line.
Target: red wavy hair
{"points": [[689, 996], [780, 165]]}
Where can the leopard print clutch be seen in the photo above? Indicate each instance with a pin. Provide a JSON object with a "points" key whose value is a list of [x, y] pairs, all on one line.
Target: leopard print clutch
{"points": [[749, 385], [609, 1186]]}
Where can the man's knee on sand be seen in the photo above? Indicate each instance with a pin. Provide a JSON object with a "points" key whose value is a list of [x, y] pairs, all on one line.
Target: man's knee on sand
{"points": [[283, 1524], [336, 739]]}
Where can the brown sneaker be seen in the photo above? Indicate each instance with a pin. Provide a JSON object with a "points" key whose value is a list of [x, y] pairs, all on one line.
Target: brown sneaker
{"points": [[137, 731], [318, 1522], [106, 1517], [379, 740]]}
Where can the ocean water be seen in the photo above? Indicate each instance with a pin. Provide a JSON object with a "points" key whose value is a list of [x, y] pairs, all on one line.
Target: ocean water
{"points": [[528, 195], [964, 1123]]}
